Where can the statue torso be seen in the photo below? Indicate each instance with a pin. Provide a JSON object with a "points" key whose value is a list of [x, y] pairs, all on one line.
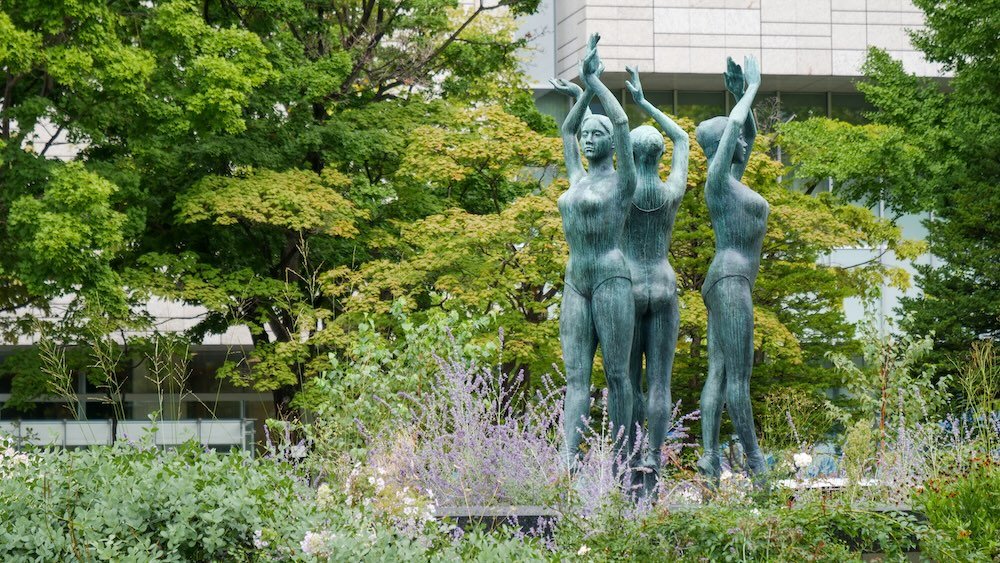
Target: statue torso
{"points": [[593, 221], [739, 219]]}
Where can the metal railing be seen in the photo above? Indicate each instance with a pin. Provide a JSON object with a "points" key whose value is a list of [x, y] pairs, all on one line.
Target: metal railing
{"points": [[168, 433]]}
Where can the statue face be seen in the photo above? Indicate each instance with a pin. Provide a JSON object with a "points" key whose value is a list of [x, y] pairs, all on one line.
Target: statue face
{"points": [[596, 142], [742, 151]]}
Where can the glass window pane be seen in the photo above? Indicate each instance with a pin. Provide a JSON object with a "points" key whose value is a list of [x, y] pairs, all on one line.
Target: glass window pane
{"points": [[912, 226], [204, 365], [767, 111], [801, 106], [699, 106], [554, 104], [99, 410], [41, 411], [850, 108]]}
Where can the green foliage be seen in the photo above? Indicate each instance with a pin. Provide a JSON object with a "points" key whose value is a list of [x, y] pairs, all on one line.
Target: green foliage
{"points": [[498, 252], [813, 532], [127, 503], [803, 408], [930, 150], [893, 382], [979, 380], [356, 396], [964, 515], [222, 143], [70, 233]]}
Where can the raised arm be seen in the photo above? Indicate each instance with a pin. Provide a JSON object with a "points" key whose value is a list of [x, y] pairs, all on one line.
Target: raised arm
{"points": [[571, 126], [590, 73], [735, 84], [723, 159], [678, 136]]}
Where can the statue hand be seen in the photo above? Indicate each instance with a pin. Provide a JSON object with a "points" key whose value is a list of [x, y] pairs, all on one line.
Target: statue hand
{"points": [[566, 87], [633, 85], [734, 78], [751, 70], [591, 65]]}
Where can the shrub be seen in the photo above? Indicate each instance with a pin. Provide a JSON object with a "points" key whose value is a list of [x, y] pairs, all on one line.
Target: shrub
{"points": [[812, 532], [128, 503], [964, 514]]}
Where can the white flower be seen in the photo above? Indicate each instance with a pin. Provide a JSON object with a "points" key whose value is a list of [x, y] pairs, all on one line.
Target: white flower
{"points": [[691, 496], [583, 550], [408, 500], [315, 543], [380, 483], [324, 496], [802, 460], [726, 475], [258, 541], [371, 480]]}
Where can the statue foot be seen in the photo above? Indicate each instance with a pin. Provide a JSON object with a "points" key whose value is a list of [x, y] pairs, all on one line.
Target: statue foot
{"points": [[759, 471], [710, 465]]}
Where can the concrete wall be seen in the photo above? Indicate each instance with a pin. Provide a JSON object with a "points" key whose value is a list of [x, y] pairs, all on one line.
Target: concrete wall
{"points": [[795, 38]]}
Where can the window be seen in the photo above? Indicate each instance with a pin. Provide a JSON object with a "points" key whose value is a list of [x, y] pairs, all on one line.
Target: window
{"points": [[801, 106], [699, 106], [850, 108]]}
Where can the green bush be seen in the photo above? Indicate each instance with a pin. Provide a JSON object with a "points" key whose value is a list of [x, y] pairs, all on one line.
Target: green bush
{"points": [[813, 532], [963, 514], [127, 503]]}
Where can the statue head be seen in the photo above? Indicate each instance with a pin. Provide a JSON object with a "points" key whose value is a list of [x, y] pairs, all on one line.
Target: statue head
{"points": [[647, 144], [709, 133], [596, 137]]}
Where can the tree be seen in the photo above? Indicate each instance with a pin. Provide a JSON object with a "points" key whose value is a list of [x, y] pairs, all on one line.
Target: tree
{"points": [[244, 146], [931, 150], [495, 248]]}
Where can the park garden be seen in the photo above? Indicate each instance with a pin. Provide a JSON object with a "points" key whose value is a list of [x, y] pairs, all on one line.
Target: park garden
{"points": [[369, 188]]}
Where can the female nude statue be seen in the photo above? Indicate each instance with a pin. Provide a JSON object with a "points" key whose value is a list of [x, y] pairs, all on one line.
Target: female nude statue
{"points": [[597, 305], [654, 284], [739, 219]]}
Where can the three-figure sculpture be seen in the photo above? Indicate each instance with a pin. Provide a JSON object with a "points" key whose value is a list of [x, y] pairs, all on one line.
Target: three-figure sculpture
{"points": [[620, 290]]}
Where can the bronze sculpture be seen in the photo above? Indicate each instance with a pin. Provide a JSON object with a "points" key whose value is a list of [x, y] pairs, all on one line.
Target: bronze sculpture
{"points": [[739, 219], [597, 306], [648, 229]]}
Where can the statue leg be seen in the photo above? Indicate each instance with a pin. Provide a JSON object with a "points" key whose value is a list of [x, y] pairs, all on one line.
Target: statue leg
{"points": [[614, 319], [712, 399], [635, 379], [737, 344], [579, 342], [661, 336]]}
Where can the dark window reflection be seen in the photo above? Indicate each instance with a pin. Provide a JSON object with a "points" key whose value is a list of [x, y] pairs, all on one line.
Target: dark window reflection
{"points": [[802, 106], [699, 106], [40, 411], [850, 108]]}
